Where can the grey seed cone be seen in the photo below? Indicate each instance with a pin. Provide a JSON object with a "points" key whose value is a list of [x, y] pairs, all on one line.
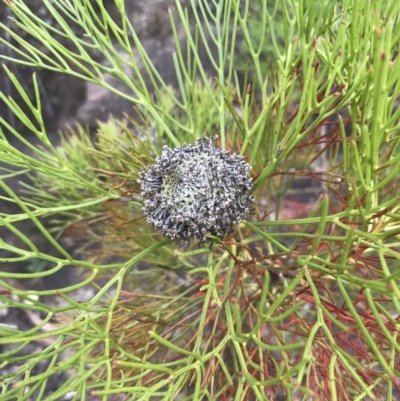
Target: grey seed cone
{"points": [[196, 190]]}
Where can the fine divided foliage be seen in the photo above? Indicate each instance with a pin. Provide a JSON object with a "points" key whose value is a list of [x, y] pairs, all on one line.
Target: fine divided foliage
{"points": [[301, 301]]}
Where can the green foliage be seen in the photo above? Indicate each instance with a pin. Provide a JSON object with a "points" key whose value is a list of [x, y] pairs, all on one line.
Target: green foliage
{"points": [[303, 301]]}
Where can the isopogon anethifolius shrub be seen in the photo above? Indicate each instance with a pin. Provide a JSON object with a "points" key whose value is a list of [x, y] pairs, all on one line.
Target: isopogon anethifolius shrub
{"points": [[194, 190]]}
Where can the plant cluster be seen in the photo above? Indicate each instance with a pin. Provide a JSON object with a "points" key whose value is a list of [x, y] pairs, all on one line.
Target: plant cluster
{"points": [[302, 303]]}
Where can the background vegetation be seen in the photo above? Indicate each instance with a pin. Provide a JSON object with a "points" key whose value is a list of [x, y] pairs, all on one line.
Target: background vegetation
{"points": [[304, 301]]}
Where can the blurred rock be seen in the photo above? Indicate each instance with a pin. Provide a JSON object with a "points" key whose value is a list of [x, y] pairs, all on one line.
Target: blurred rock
{"points": [[101, 103]]}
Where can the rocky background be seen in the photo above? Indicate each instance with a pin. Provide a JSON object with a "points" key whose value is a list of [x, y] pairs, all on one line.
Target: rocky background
{"points": [[67, 99]]}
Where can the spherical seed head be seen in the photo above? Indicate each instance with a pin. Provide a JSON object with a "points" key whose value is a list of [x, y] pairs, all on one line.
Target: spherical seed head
{"points": [[196, 190]]}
